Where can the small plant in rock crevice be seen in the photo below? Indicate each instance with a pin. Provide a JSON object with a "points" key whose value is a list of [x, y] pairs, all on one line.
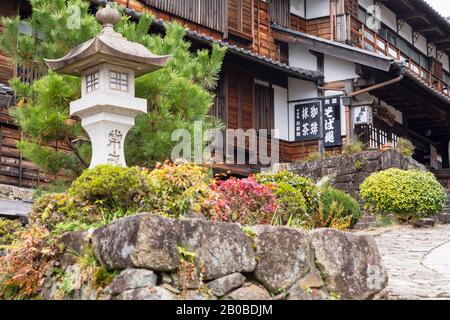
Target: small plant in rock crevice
{"points": [[353, 148], [188, 272], [405, 147]]}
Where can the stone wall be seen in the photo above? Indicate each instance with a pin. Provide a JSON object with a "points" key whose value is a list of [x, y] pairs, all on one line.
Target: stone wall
{"points": [[15, 193], [349, 172], [163, 259]]}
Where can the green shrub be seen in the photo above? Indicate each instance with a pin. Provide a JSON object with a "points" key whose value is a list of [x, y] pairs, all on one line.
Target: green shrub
{"points": [[292, 209], [343, 202], [97, 197], [405, 147], [10, 231], [114, 187], [304, 186], [409, 194]]}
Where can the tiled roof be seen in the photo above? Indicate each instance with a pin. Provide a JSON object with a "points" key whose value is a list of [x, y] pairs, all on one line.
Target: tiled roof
{"points": [[411, 75], [303, 73], [293, 71]]}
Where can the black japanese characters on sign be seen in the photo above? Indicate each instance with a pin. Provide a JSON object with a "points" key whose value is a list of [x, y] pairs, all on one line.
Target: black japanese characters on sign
{"points": [[332, 122], [307, 121]]}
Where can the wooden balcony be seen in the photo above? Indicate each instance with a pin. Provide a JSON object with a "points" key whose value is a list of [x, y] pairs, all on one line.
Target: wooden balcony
{"points": [[371, 41]]}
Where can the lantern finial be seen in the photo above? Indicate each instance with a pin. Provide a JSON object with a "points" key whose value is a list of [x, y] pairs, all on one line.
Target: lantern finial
{"points": [[108, 16]]}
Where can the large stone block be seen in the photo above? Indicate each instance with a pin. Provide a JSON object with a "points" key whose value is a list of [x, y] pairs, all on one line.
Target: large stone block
{"points": [[220, 248], [284, 256], [142, 241], [224, 285], [146, 293], [250, 292], [350, 264], [131, 279]]}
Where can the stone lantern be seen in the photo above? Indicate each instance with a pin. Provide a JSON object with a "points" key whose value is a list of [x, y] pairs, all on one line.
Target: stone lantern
{"points": [[108, 65]]}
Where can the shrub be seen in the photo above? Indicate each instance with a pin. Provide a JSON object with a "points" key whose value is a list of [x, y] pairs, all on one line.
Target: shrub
{"points": [[244, 201], [177, 188], [10, 231], [304, 186], [313, 156], [409, 194], [292, 209], [54, 211], [23, 270], [114, 187], [405, 147], [333, 199], [333, 218]]}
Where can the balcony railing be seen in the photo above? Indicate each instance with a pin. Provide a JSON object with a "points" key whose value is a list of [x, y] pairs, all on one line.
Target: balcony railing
{"points": [[371, 41]]}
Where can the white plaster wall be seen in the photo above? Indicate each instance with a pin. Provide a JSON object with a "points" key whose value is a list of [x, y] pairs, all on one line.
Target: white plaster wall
{"points": [[298, 7], [301, 58], [389, 18], [317, 8], [421, 44], [298, 89], [433, 52], [337, 69], [365, 3], [445, 62], [406, 32], [281, 112]]}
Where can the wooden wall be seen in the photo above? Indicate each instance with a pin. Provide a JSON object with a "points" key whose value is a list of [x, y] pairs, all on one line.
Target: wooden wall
{"points": [[280, 12], [140, 6], [210, 13], [240, 18], [8, 8]]}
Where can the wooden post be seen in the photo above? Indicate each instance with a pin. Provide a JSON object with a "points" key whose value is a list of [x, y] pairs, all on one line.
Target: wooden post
{"points": [[332, 19], [445, 154], [347, 104]]}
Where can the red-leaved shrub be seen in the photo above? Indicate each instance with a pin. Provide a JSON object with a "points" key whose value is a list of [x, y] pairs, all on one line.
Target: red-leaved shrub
{"points": [[244, 201]]}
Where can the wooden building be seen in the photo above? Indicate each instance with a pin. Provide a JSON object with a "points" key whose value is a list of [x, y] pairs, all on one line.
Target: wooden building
{"points": [[375, 70]]}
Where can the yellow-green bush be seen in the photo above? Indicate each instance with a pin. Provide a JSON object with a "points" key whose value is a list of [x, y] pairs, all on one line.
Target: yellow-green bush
{"points": [[405, 147], [409, 194], [174, 189], [62, 212]]}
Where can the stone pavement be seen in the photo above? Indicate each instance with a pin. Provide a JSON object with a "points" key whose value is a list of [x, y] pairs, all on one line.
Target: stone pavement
{"points": [[417, 261]]}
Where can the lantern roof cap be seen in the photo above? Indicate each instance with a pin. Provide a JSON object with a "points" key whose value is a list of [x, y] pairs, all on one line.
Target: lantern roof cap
{"points": [[108, 47]]}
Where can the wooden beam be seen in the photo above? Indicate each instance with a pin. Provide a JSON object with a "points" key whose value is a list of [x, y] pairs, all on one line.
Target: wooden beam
{"points": [[333, 49]]}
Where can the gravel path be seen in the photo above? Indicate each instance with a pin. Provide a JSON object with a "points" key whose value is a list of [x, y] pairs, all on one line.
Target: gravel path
{"points": [[417, 261]]}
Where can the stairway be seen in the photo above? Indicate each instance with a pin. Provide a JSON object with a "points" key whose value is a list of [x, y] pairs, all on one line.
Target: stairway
{"points": [[367, 221]]}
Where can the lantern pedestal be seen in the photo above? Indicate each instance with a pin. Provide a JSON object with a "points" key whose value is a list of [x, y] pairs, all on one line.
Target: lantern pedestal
{"points": [[108, 132]]}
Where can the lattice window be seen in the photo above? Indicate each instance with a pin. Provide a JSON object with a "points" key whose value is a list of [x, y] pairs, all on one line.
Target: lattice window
{"points": [[118, 81], [93, 82]]}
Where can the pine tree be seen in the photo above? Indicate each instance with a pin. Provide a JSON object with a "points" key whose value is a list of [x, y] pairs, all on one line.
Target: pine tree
{"points": [[177, 95]]}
